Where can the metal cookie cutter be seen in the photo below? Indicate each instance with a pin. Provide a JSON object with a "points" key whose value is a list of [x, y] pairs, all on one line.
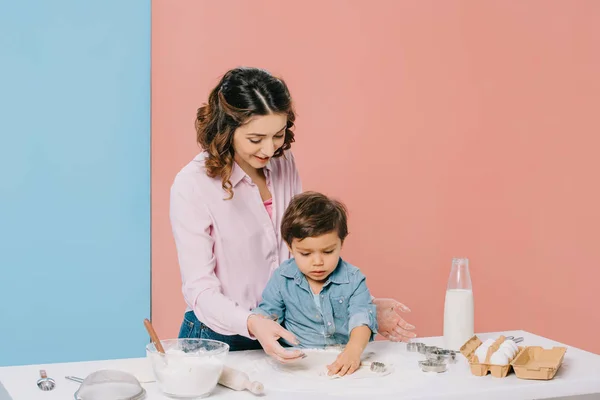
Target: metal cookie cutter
{"points": [[433, 366], [375, 366], [414, 346], [428, 349], [441, 355]]}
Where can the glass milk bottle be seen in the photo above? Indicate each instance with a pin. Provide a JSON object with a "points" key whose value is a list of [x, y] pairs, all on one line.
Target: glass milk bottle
{"points": [[459, 308]]}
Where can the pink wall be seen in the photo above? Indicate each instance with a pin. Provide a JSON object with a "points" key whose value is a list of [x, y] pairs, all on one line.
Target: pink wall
{"points": [[449, 128]]}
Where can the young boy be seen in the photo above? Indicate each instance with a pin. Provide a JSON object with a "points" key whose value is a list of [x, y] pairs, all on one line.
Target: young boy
{"points": [[316, 295]]}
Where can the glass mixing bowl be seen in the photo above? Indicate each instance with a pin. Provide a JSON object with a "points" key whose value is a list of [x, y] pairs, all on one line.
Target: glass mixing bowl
{"points": [[190, 368]]}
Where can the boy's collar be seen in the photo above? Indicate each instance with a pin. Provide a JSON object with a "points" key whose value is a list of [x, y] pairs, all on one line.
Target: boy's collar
{"points": [[338, 276]]}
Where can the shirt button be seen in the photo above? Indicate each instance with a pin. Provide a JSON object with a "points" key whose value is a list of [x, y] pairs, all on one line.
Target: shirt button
{"points": [[341, 301], [329, 324]]}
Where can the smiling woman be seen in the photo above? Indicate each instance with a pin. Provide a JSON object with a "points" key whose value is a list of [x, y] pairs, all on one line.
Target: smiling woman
{"points": [[227, 205], [254, 150], [249, 118]]}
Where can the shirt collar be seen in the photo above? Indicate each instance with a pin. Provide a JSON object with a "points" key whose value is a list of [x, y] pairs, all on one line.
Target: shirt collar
{"points": [[338, 276], [238, 174]]}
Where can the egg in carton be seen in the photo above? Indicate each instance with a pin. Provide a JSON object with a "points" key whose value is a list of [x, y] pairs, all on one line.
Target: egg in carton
{"points": [[494, 356]]}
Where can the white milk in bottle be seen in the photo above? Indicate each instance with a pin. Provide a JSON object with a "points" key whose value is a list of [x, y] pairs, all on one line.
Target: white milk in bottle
{"points": [[459, 308]]}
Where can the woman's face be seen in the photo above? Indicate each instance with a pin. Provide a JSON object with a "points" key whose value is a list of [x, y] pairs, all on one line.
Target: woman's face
{"points": [[255, 142]]}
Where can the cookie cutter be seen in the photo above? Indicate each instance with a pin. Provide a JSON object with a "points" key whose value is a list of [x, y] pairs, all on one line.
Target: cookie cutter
{"points": [[433, 366], [414, 346], [428, 349], [376, 366], [442, 355]]}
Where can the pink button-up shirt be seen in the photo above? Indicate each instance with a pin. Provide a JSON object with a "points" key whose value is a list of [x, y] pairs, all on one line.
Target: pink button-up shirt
{"points": [[227, 249]]}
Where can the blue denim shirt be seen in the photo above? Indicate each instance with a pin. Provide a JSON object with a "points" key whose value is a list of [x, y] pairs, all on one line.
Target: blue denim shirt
{"points": [[345, 304]]}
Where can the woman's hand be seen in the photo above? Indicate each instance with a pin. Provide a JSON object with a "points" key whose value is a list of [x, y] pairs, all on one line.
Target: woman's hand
{"points": [[268, 332], [391, 324]]}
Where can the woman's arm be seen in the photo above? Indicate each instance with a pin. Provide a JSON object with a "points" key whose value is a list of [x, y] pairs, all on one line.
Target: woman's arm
{"points": [[191, 224]]}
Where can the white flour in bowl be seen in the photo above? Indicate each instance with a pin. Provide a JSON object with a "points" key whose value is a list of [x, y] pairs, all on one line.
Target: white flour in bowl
{"points": [[184, 375]]}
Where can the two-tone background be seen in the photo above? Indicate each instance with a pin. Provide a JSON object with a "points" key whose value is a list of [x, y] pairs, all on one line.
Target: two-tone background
{"points": [[449, 128]]}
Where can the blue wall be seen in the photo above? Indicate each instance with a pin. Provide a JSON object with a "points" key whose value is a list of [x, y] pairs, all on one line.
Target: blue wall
{"points": [[74, 180]]}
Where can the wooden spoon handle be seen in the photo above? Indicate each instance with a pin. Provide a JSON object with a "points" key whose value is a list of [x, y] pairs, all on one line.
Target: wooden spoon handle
{"points": [[154, 336]]}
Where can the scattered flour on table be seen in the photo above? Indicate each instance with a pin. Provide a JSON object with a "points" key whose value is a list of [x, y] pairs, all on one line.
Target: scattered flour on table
{"points": [[314, 366]]}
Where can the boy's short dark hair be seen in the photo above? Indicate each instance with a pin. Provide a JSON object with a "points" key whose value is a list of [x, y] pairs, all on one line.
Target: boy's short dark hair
{"points": [[312, 214]]}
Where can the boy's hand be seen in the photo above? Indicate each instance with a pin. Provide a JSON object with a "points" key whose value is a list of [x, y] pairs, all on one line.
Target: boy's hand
{"points": [[347, 362]]}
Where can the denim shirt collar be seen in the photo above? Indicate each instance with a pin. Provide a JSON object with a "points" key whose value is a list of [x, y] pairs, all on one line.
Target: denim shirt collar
{"points": [[339, 276]]}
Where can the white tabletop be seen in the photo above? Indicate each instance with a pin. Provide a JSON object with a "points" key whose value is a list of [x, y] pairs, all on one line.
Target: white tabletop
{"points": [[579, 375]]}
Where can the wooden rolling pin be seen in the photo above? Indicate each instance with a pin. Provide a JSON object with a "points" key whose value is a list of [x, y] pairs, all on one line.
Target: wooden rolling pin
{"points": [[238, 380]]}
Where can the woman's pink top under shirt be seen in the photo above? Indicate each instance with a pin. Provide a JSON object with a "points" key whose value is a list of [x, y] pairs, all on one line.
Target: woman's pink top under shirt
{"points": [[269, 206]]}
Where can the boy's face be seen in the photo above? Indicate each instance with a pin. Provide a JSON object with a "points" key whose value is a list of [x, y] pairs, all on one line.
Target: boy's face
{"points": [[317, 257]]}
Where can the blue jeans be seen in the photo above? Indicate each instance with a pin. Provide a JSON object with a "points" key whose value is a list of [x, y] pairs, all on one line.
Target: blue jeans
{"points": [[193, 328]]}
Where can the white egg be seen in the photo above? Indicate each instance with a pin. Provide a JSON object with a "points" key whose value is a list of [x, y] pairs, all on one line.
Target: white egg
{"points": [[508, 351], [507, 345], [481, 352], [499, 358], [512, 344]]}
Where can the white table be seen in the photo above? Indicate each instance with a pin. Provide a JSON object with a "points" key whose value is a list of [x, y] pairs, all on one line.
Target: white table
{"points": [[579, 375]]}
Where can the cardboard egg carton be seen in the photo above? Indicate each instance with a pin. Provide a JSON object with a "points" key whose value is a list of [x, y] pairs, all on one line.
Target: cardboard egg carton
{"points": [[535, 362], [531, 362], [482, 367]]}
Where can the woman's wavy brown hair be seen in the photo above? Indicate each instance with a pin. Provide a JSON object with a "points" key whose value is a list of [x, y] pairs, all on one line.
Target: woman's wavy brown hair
{"points": [[241, 94]]}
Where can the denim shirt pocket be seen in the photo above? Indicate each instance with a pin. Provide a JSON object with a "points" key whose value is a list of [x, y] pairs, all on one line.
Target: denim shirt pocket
{"points": [[339, 304]]}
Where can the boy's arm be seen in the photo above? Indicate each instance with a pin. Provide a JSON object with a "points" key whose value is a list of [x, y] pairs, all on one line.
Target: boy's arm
{"points": [[362, 312], [362, 326], [271, 306], [359, 338]]}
